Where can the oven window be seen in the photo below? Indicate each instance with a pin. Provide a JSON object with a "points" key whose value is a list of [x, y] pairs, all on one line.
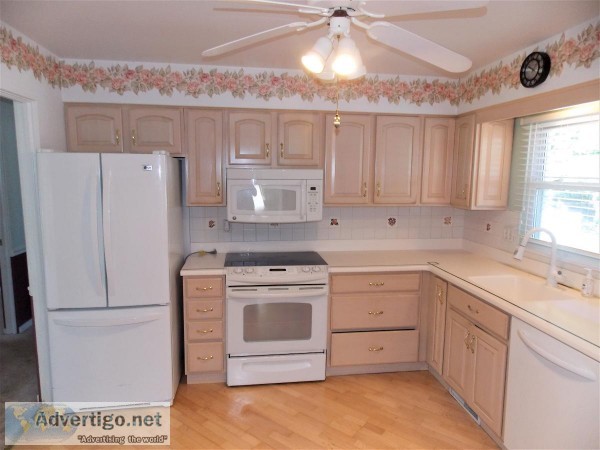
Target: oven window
{"points": [[277, 322], [263, 198]]}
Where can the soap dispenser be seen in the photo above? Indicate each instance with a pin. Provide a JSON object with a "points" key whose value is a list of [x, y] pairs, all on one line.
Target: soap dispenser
{"points": [[587, 286]]}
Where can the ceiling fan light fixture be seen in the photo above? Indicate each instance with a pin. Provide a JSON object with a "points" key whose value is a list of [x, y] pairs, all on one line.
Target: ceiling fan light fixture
{"points": [[346, 57], [314, 60]]}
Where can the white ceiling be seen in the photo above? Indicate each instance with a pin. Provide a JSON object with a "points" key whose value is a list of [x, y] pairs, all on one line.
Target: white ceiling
{"points": [[173, 31]]}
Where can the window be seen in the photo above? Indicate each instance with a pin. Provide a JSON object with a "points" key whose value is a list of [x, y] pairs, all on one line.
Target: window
{"points": [[556, 175]]}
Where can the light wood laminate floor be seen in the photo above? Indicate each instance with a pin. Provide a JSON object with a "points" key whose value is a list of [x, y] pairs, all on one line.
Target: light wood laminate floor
{"points": [[395, 410], [377, 411]]}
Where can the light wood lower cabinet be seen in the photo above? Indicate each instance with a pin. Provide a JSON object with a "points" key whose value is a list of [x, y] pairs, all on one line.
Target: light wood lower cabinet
{"points": [[374, 319], [437, 323], [204, 328], [475, 355]]}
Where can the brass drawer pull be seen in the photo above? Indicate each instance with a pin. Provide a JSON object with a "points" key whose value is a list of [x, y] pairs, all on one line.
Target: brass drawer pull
{"points": [[364, 189], [209, 288], [375, 313], [376, 283], [375, 349], [281, 151], [133, 137], [268, 150], [378, 189], [204, 358], [467, 338], [117, 137], [204, 331], [218, 188], [472, 344], [205, 310], [472, 309]]}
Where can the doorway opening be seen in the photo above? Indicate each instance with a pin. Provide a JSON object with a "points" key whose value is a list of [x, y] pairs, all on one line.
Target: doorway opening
{"points": [[18, 361]]}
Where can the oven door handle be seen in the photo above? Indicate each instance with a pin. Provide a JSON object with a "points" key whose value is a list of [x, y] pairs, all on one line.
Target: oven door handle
{"points": [[253, 294]]}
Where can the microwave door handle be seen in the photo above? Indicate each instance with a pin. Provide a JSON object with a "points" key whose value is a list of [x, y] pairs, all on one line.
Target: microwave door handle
{"points": [[245, 294]]}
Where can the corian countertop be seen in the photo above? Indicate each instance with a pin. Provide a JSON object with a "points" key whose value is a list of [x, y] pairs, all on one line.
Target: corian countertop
{"points": [[575, 321]]}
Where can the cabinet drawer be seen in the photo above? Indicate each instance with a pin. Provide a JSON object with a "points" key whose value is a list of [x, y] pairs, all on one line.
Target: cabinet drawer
{"points": [[375, 282], [204, 309], [203, 287], [374, 347], [204, 330], [374, 312], [205, 357], [478, 311]]}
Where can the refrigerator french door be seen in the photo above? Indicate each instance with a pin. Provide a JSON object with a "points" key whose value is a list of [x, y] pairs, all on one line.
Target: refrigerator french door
{"points": [[112, 246]]}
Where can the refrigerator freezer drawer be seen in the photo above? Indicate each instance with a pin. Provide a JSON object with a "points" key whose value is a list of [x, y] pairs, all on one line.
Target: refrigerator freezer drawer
{"points": [[113, 355]]}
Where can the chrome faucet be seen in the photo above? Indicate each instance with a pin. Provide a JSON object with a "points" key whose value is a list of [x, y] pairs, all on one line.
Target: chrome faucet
{"points": [[553, 272]]}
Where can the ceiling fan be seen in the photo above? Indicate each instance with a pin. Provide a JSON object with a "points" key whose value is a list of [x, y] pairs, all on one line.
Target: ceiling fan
{"points": [[346, 61]]}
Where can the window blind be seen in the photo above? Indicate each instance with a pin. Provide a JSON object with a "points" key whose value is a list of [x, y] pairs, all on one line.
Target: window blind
{"points": [[556, 175]]}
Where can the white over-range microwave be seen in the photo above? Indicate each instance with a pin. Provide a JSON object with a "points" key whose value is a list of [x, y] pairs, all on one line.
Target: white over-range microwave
{"points": [[274, 195]]}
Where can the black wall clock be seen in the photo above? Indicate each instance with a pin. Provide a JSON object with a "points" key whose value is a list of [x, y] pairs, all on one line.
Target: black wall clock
{"points": [[535, 69]]}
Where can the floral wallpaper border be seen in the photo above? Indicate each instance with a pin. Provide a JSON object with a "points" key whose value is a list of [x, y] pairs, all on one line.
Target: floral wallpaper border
{"points": [[579, 51]]}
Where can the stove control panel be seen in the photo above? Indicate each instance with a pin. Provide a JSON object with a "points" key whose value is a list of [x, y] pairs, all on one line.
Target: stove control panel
{"points": [[276, 274]]}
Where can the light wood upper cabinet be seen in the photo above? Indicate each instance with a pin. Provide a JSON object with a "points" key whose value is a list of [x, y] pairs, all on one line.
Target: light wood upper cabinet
{"points": [[438, 143], [492, 173], [94, 128], [152, 128], [299, 136], [462, 165], [481, 167], [348, 154], [397, 160], [204, 141], [250, 138], [437, 311]]}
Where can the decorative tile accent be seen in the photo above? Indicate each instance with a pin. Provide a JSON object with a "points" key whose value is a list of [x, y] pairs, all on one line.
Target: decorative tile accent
{"points": [[334, 222], [580, 51], [447, 221], [212, 223], [392, 221]]}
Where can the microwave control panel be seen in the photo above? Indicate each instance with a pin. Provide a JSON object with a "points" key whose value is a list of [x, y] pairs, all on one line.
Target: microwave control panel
{"points": [[314, 200]]}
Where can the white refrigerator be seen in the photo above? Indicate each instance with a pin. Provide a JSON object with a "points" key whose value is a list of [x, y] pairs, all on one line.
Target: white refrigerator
{"points": [[112, 247]]}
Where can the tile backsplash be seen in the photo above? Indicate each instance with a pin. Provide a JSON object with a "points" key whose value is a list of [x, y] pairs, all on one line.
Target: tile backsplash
{"points": [[496, 229], [208, 224]]}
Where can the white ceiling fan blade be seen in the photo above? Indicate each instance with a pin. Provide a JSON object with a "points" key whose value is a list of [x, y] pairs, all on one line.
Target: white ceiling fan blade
{"points": [[247, 40], [305, 8], [419, 47], [402, 8]]}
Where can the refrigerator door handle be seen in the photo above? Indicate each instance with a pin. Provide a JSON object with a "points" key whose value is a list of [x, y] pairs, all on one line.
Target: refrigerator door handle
{"points": [[99, 238], [106, 221], [113, 322]]}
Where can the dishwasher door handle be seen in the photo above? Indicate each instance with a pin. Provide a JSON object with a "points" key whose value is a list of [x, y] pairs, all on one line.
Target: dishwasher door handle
{"points": [[584, 373]]}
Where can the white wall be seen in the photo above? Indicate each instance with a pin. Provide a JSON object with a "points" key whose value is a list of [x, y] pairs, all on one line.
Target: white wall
{"points": [[40, 124]]}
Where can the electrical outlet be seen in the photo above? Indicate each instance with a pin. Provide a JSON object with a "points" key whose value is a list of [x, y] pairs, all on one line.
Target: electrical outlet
{"points": [[507, 234]]}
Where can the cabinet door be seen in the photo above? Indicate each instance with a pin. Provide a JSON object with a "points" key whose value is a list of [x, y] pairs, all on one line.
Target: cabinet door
{"points": [[493, 165], [437, 308], [299, 139], [462, 165], [204, 136], [153, 128], [436, 181], [457, 356], [94, 129], [397, 160], [250, 138], [348, 154], [489, 372]]}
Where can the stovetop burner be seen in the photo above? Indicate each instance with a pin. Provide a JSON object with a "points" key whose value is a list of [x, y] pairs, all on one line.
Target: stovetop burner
{"points": [[274, 259]]}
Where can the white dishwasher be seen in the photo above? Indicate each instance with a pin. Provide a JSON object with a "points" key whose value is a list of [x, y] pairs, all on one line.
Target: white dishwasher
{"points": [[552, 393]]}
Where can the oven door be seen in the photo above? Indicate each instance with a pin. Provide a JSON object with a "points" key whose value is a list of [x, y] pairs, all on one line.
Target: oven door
{"points": [[276, 320], [266, 201]]}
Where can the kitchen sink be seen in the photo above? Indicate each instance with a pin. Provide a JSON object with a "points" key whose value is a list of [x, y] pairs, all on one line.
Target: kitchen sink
{"points": [[519, 288]]}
